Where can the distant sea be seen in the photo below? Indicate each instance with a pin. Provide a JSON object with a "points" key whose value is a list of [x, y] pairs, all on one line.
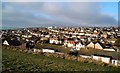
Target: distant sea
{"points": [[6, 28]]}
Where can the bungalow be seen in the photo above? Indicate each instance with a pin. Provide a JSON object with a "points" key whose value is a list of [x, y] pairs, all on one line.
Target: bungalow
{"points": [[81, 34], [101, 58], [88, 34], [48, 51], [36, 50], [26, 36], [115, 62], [71, 44], [109, 49], [54, 41], [47, 36], [59, 53], [79, 45], [85, 56]]}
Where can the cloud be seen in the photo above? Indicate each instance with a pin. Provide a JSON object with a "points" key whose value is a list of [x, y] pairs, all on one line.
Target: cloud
{"points": [[24, 14], [60, 0]]}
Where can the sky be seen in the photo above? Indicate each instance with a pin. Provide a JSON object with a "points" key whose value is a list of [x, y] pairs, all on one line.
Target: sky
{"points": [[44, 14]]}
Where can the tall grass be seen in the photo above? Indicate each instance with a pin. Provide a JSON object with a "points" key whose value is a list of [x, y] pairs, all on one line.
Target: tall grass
{"points": [[16, 61]]}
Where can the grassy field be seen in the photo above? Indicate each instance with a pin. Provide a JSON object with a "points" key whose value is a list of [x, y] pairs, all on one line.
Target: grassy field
{"points": [[16, 61]]}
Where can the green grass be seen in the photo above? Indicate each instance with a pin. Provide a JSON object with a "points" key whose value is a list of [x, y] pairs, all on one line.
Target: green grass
{"points": [[16, 61]]}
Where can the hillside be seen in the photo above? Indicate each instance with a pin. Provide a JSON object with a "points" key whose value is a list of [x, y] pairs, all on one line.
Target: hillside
{"points": [[16, 61]]}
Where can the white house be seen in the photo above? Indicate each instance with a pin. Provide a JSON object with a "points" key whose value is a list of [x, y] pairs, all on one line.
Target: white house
{"points": [[47, 36], [79, 45], [48, 50], [109, 49], [115, 62], [85, 56], [81, 33], [87, 34], [71, 44], [51, 41], [104, 35], [59, 53], [27, 36], [101, 59], [55, 41], [36, 50], [5, 42]]}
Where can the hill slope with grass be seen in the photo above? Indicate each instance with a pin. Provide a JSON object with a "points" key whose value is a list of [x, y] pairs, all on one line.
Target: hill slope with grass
{"points": [[16, 61]]}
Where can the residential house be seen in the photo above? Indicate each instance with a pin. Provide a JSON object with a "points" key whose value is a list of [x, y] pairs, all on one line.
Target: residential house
{"points": [[104, 35], [36, 50], [12, 42], [85, 56], [101, 58], [95, 45], [109, 50], [79, 45], [48, 51], [71, 43], [26, 36], [55, 41], [115, 62], [6, 42]]}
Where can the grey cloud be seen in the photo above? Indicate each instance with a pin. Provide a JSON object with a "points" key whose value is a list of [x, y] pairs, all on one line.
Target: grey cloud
{"points": [[62, 14]]}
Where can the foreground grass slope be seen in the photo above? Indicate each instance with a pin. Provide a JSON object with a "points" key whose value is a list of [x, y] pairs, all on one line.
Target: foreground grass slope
{"points": [[19, 61]]}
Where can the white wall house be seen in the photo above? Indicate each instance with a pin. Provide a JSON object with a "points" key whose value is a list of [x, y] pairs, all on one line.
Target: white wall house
{"points": [[104, 35], [101, 59], [27, 36], [51, 41], [70, 45], [55, 41], [115, 62], [109, 49], [79, 45], [36, 50], [5, 42], [48, 50], [85, 56]]}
